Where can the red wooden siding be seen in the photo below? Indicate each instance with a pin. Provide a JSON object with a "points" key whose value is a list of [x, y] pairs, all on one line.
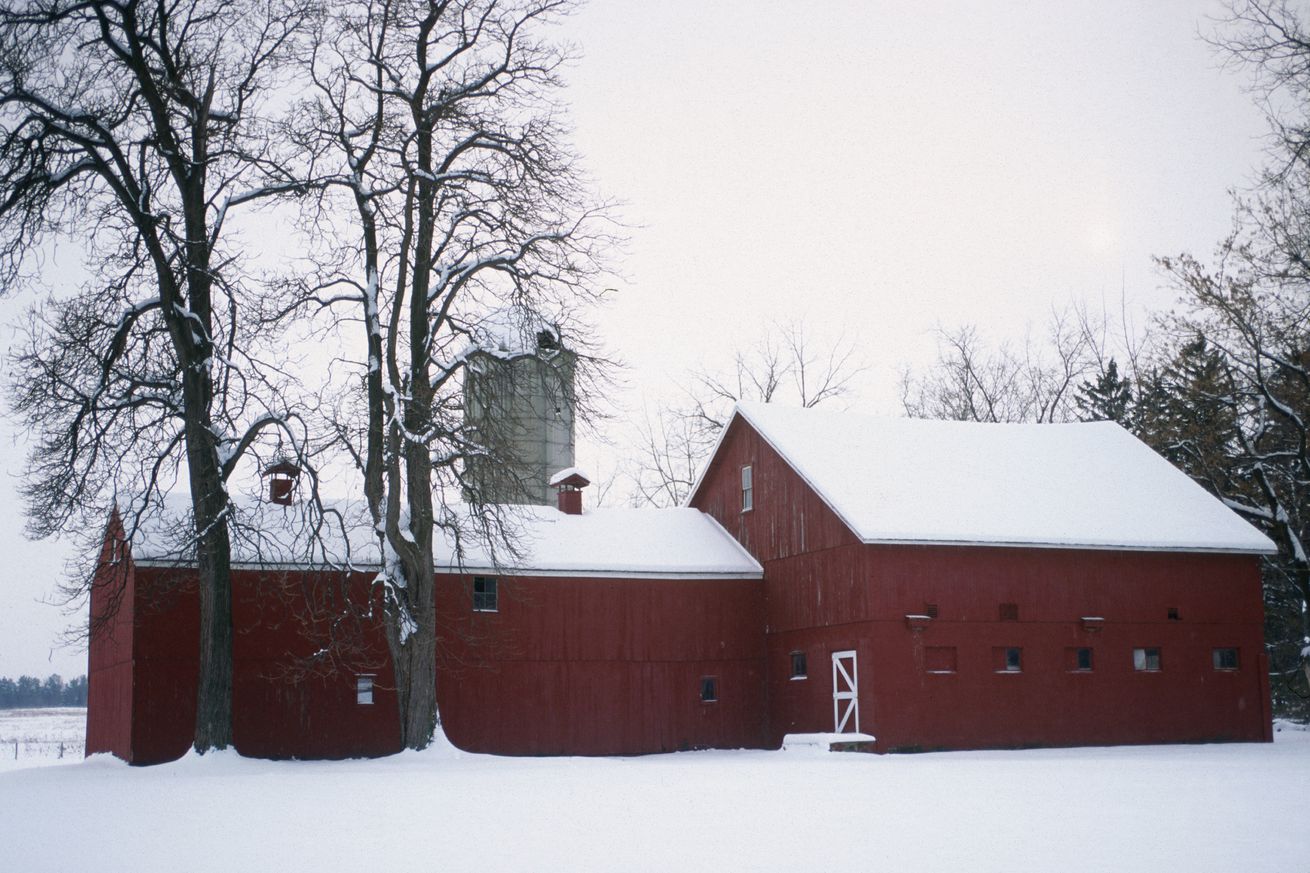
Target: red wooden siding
{"points": [[565, 666], [109, 659], [788, 518], [825, 592], [602, 666]]}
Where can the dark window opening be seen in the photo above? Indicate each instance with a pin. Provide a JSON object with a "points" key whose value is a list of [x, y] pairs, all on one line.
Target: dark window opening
{"points": [[1225, 659], [709, 689], [1008, 659], [799, 669], [1173, 614], [1083, 660], [930, 610], [1009, 612], [1146, 660], [484, 594]]}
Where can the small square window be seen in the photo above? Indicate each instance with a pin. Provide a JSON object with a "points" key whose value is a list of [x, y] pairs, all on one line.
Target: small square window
{"points": [[364, 690], [1174, 615], [1146, 660], [485, 594], [1008, 659], [1079, 660], [799, 669], [747, 489], [939, 659], [709, 689], [1009, 612], [1225, 659]]}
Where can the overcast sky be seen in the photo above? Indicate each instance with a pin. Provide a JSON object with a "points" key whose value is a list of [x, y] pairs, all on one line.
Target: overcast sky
{"points": [[875, 169]]}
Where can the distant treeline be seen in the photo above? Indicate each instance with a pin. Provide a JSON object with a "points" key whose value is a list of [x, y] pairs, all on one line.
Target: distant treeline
{"points": [[31, 691]]}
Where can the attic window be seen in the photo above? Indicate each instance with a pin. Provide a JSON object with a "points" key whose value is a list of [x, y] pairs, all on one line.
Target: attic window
{"points": [[799, 669], [1173, 614], [747, 489], [1009, 612]]}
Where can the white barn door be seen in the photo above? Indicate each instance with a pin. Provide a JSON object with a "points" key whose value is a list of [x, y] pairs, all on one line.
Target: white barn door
{"points": [[845, 693]]}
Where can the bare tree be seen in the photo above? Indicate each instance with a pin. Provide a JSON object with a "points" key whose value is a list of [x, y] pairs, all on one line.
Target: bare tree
{"points": [[1238, 369], [784, 366], [138, 130], [1036, 383], [457, 195]]}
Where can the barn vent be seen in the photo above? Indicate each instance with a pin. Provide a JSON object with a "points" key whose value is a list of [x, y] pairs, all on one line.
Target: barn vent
{"points": [[1009, 612], [281, 478], [568, 485]]}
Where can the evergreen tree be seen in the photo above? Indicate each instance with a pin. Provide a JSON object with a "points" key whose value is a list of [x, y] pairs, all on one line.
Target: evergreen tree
{"points": [[1109, 398]]}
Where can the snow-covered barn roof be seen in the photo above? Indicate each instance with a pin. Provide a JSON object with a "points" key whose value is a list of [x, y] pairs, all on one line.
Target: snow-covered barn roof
{"points": [[1083, 485], [645, 543]]}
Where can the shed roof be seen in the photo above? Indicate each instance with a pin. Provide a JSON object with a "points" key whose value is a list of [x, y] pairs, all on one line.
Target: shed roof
{"points": [[1082, 485], [645, 543]]}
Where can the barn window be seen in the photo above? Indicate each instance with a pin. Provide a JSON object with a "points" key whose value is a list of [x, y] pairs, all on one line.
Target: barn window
{"points": [[1173, 614], [1146, 660], [1225, 659], [709, 689], [484, 594], [1008, 659], [799, 669], [939, 659], [747, 489], [1009, 612], [364, 690], [1079, 660]]}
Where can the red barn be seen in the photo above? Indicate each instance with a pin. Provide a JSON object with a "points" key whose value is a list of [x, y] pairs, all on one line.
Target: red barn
{"points": [[938, 585]]}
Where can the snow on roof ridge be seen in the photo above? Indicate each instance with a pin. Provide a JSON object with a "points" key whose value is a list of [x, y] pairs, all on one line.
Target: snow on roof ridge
{"points": [[1071, 485], [607, 541]]}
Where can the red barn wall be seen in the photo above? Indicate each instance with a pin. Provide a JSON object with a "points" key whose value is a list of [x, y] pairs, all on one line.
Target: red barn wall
{"points": [[565, 666], [588, 666], [284, 703], [826, 592], [109, 659]]}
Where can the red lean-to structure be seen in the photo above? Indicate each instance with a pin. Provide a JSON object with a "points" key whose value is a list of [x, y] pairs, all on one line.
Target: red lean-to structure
{"points": [[1047, 610]]}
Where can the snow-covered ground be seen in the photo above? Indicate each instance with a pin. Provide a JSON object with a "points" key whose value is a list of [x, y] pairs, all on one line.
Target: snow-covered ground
{"points": [[1164, 808], [39, 737]]}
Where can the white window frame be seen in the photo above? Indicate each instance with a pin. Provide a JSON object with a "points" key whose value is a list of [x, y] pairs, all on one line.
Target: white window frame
{"points": [[1142, 662], [364, 689], [747, 488], [1216, 656]]}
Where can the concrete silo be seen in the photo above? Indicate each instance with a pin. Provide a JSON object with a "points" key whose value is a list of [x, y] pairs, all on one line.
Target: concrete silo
{"points": [[519, 406]]}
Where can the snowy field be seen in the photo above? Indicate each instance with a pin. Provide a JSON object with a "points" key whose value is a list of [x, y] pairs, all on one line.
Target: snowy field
{"points": [[1166, 808], [38, 737]]}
